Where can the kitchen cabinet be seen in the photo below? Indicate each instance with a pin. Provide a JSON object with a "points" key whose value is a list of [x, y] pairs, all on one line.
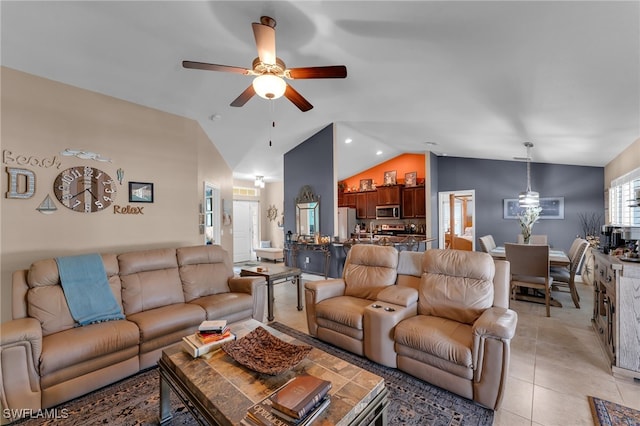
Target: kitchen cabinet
{"points": [[413, 202], [388, 195], [372, 200], [347, 199], [366, 205], [616, 287]]}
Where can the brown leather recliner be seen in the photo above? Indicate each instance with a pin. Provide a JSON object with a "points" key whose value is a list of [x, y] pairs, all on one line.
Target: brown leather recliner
{"points": [[446, 319], [460, 339], [335, 308]]}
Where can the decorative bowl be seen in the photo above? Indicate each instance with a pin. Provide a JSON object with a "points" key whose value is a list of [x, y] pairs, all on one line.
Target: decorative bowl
{"points": [[263, 352]]}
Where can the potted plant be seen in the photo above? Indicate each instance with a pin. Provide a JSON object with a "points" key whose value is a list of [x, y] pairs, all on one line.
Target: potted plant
{"points": [[527, 218]]}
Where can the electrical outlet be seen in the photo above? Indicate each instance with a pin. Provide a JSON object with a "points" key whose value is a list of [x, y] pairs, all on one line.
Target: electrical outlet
{"points": [[306, 259]]}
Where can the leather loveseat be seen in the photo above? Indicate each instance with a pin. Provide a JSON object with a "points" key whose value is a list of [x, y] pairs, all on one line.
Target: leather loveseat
{"points": [[441, 315], [164, 295]]}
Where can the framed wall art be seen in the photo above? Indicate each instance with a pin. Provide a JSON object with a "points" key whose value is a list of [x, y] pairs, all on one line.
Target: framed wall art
{"points": [[140, 192], [390, 178], [410, 179], [552, 208], [366, 184]]}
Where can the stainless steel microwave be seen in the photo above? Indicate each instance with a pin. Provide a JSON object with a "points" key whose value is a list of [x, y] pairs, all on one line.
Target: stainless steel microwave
{"points": [[388, 212]]}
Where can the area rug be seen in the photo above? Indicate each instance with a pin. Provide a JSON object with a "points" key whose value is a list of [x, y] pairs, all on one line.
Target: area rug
{"points": [[607, 413], [135, 400], [412, 401]]}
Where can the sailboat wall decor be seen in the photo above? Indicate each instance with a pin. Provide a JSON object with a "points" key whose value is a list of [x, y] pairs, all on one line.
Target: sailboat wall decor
{"points": [[47, 206]]}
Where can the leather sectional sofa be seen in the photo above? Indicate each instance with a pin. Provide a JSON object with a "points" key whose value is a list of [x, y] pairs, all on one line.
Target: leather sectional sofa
{"points": [[164, 294], [441, 315]]}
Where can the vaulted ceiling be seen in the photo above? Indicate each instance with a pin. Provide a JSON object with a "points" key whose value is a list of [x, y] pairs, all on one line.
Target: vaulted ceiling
{"points": [[460, 78]]}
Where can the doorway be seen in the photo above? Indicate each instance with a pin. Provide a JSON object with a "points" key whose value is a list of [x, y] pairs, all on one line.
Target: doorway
{"points": [[246, 229], [457, 223], [211, 222]]}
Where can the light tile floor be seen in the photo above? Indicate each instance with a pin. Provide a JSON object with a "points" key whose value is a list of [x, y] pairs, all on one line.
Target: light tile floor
{"points": [[556, 362]]}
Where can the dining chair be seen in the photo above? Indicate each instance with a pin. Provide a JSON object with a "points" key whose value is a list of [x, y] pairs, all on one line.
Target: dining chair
{"points": [[535, 239], [564, 276], [530, 268], [487, 243]]}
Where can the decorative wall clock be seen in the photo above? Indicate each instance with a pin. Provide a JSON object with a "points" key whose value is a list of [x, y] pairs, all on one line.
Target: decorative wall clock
{"points": [[85, 189]]}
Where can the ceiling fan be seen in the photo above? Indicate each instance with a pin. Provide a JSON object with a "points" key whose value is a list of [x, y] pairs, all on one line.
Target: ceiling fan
{"points": [[270, 71]]}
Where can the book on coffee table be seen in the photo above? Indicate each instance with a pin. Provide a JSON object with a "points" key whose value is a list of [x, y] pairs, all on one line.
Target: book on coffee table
{"points": [[193, 346], [212, 326], [263, 414], [300, 395]]}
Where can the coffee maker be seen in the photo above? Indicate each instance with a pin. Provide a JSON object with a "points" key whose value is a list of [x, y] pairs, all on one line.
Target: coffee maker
{"points": [[611, 238]]}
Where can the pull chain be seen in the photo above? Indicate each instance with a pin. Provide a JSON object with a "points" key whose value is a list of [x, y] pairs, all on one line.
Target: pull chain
{"points": [[273, 122]]}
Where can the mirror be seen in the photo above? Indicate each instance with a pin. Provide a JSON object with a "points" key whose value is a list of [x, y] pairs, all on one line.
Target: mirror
{"points": [[307, 218], [307, 212]]}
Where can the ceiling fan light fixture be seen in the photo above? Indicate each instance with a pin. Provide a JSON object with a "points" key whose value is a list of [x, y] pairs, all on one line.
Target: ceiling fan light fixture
{"points": [[269, 86]]}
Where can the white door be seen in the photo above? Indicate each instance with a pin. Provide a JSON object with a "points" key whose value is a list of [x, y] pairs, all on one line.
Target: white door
{"points": [[245, 230]]}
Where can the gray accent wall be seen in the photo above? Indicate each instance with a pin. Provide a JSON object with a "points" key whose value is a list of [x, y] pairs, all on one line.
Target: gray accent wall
{"points": [[494, 180], [311, 163]]}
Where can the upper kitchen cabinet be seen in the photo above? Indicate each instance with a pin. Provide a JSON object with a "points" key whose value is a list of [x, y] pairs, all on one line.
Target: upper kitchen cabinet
{"points": [[388, 195], [366, 205], [347, 199], [414, 202]]}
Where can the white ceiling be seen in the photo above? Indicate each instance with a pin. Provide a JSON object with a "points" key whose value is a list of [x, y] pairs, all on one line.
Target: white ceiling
{"points": [[478, 78]]}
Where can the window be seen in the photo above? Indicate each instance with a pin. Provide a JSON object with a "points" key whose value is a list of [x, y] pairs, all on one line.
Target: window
{"points": [[622, 199], [245, 192]]}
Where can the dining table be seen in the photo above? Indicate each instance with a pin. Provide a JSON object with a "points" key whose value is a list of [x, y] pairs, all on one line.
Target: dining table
{"points": [[556, 258]]}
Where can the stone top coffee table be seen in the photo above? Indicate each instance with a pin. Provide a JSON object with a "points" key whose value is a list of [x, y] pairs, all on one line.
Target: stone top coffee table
{"points": [[219, 391]]}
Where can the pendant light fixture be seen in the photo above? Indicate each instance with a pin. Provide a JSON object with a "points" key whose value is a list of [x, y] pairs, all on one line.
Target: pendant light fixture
{"points": [[529, 198]]}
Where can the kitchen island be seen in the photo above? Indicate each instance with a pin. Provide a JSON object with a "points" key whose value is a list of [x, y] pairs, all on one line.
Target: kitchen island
{"points": [[327, 259]]}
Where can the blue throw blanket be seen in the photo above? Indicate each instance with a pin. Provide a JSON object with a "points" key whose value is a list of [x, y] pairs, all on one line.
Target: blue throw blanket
{"points": [[87, 290]]}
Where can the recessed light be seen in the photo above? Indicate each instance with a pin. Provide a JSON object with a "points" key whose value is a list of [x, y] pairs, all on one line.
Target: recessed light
{"points": [[348, 140], [215, 117], [431, 143], [378, 152]]}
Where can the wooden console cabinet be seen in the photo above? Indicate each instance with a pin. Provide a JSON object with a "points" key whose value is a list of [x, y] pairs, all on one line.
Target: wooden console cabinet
{"points": [[616, 304]]}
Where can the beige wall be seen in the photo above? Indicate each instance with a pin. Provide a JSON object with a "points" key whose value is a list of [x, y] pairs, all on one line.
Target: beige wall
{"points": [[40, 118], [626, 161], [273, 195]]}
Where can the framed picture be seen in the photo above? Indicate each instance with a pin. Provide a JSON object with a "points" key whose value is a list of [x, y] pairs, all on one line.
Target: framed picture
{"points": [[390, 178], [366, 184], [140, 192], [552, 208], [410, 179]]}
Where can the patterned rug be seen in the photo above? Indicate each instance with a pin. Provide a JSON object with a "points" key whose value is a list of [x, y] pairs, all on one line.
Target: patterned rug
{"points": [[412, 401], [606, 413], [135, 400]]}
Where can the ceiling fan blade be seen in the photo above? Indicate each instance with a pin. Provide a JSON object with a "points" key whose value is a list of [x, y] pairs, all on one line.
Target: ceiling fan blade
{"points": [[265, 36], [297, 99], [244, 97], [333, 71], [214, 67]]}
